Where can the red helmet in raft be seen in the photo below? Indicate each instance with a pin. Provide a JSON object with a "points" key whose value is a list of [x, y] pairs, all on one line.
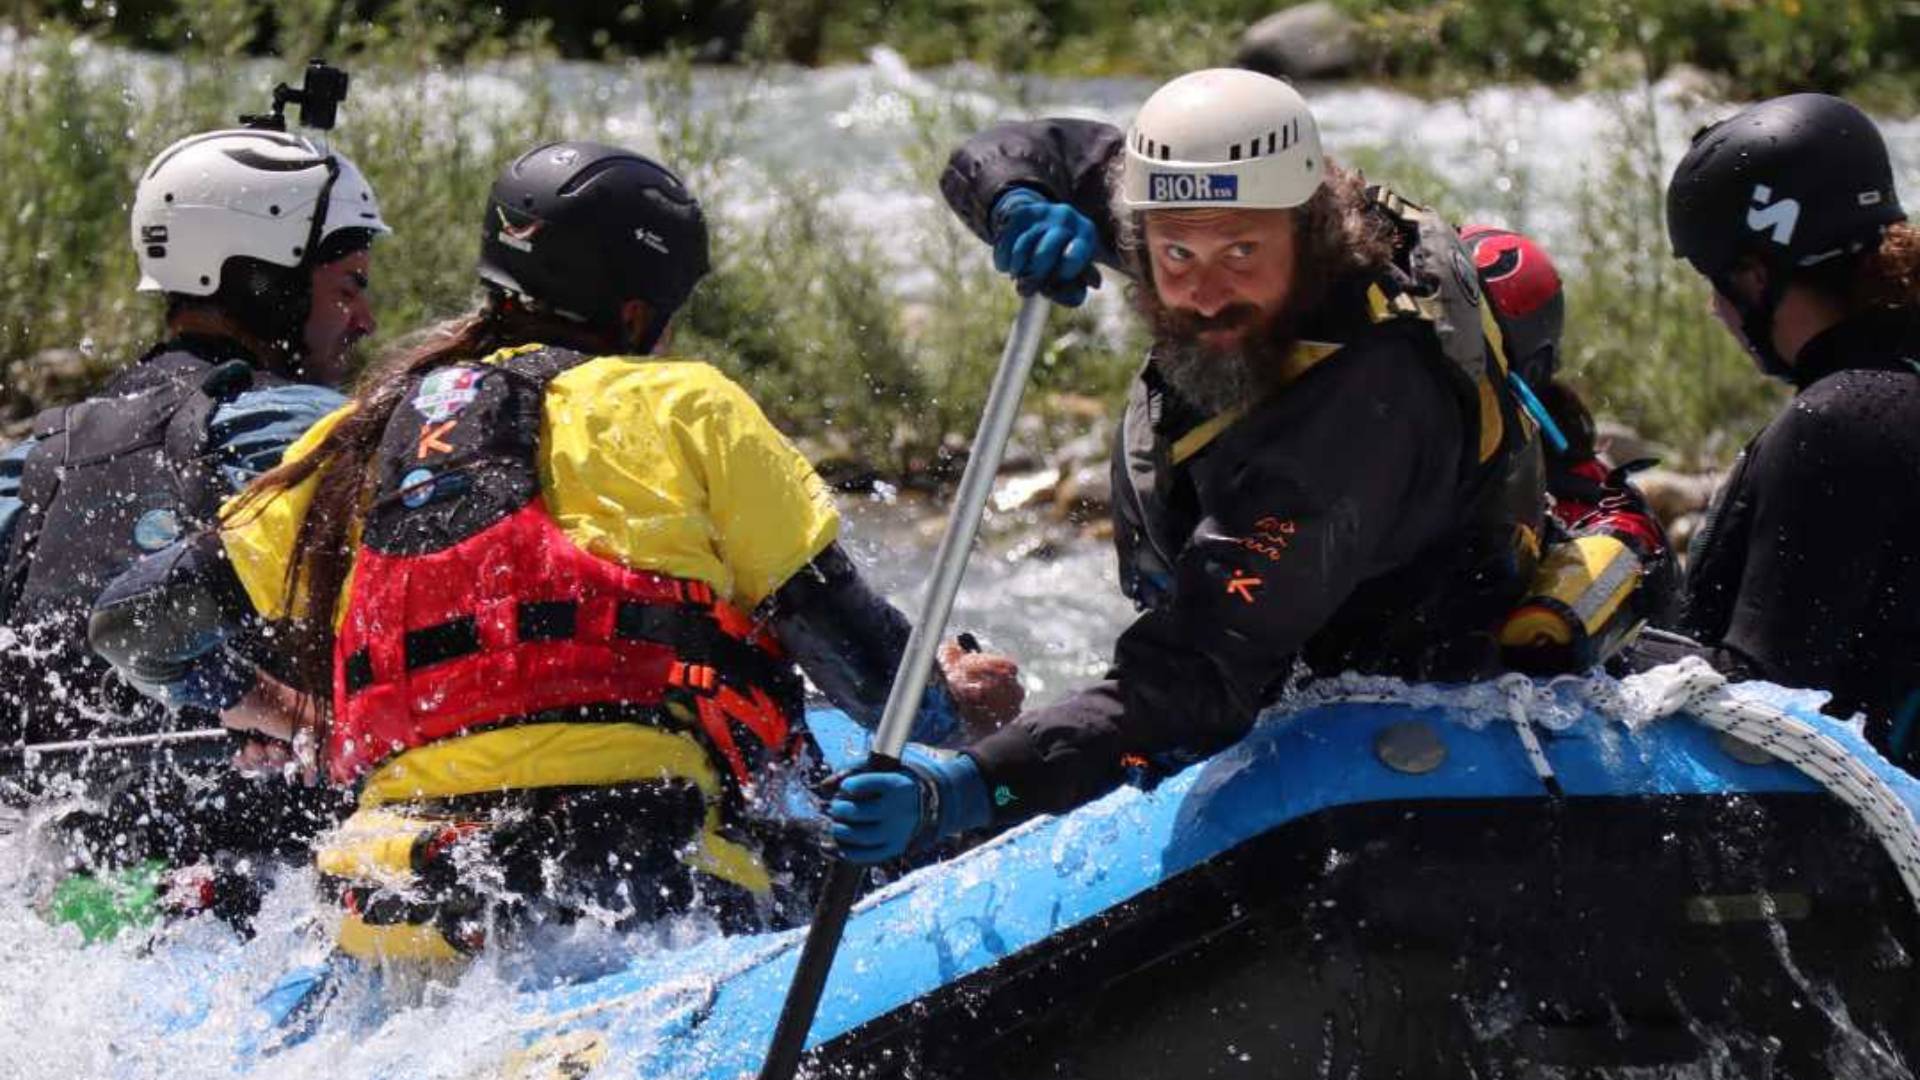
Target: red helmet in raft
{"points": [[1524, 289]]}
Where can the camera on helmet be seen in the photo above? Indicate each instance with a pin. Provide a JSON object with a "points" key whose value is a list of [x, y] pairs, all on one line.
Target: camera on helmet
{"points": [[321, 91]]}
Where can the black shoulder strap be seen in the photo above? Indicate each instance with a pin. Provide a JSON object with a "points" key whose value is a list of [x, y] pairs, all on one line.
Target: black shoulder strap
{"points": [[196, 478]]}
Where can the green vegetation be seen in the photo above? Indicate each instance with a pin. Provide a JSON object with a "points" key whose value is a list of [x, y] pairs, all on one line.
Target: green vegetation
{"points": [[799, 306], [1761, 46], [803, 306]]}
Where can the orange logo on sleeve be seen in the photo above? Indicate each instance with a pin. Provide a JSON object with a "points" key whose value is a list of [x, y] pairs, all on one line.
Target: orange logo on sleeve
{"points": [[1242, 586], [1270, 537]]}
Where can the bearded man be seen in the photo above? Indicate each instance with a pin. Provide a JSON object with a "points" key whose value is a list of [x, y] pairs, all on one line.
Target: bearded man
{"points": [[1321, 466]]}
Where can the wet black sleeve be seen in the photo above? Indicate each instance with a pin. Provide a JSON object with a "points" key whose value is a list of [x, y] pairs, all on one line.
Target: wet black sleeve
{"points": [[849, 640], [1065, 160], [1818, 502], [1357, 476], [169, 610]]}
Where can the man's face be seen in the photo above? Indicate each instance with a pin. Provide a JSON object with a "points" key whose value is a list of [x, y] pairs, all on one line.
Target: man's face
{"points": [[1228, 272], [340, 316], [1223, 290]]}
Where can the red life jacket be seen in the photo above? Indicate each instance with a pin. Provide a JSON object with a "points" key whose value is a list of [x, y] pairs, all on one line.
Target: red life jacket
{"points": [[470, 608]]}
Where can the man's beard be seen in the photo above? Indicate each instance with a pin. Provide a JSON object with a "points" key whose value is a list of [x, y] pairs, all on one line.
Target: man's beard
{"points": [[1212, 378]]}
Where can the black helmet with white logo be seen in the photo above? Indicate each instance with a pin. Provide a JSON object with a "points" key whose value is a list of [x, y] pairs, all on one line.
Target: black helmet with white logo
{"points": [[577, 229], [1796, 180]]}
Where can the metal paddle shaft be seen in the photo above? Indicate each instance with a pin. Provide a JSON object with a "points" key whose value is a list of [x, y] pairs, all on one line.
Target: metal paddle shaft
{"points": [[916, 665], [115, 742]]}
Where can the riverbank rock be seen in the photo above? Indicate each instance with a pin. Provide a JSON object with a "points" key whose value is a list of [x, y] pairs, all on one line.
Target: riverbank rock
{"points": [[1674, 495], [1310, 41], [1019, 490], [1621, 444], [1085, 493], [50, 377]]}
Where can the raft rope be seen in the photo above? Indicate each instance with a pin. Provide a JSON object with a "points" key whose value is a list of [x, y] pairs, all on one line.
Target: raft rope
{"points": [[1519, 692], [1690, 687], [1694, 688]]}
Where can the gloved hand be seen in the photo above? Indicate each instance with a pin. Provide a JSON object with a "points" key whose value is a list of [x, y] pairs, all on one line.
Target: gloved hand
{"points": [[1045, 246], [879, 816]]}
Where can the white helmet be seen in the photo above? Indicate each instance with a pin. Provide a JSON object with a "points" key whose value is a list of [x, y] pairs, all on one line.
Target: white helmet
{"points": [[1222, 137], [258, 194]]}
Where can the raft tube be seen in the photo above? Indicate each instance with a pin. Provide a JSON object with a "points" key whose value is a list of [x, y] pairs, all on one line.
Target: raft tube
{"points": [[1357, 889]]}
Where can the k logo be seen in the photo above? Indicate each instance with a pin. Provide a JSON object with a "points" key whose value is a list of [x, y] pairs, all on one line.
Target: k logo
{"points": [[1778, 217]]}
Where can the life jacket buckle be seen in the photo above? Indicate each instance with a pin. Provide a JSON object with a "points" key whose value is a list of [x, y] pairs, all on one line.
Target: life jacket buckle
{"points": [[699, 678]]}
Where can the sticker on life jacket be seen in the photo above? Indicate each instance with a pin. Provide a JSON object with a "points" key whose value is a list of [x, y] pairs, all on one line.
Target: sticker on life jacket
{"points": [[444, 393], [416, 489], [156, 529]]}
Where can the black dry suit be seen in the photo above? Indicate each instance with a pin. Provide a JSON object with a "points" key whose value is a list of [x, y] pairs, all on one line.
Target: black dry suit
{"points": [[1808, 571], [107, 480], [1380, 512]]}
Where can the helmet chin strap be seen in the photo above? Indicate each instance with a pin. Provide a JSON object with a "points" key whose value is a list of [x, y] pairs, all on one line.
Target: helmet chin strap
{"points": [[1756, 319]]}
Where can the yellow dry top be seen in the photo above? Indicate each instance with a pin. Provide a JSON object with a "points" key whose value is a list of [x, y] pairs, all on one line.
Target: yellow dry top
{"points": [[660, 465]]}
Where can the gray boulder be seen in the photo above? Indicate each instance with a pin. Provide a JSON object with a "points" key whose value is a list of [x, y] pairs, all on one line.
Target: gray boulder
{"points": [[1310, 41]]}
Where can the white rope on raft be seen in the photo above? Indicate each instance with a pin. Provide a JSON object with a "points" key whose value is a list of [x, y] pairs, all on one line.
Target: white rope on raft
{"points": [[1695, 689]]}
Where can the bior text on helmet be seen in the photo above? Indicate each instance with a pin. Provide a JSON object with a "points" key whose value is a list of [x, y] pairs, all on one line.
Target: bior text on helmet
{"points": [[1222, 137], [1528, 302], [577, 229], [1794, 182]]}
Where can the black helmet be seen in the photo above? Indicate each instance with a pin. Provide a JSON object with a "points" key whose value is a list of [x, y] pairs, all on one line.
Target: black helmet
{"points": [[577, 229], [1796, 180]]}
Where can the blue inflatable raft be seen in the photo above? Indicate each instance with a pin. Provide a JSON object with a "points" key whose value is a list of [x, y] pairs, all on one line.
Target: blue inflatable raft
{"points": [[1356, 889]]}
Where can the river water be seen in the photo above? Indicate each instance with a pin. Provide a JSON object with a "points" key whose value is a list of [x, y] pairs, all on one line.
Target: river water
{"points": [[175, 1009]]}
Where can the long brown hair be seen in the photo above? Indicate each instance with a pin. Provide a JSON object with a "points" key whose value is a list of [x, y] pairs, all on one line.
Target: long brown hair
{"points": [[322, 552]]}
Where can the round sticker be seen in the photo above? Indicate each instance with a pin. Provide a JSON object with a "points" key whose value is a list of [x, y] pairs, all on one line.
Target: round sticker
{"points": [[416, 488], [156, 529]]}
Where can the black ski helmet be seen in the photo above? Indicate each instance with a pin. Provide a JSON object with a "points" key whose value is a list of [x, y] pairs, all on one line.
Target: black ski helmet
{"points": [[1796, 180], [577, 229]]}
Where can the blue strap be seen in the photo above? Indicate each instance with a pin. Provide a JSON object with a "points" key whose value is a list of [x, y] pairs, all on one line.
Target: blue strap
{"points": [[1538, 411]]}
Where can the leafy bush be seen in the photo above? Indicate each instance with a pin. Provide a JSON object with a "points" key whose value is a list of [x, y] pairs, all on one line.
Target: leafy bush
{"points": [[801, 306]]}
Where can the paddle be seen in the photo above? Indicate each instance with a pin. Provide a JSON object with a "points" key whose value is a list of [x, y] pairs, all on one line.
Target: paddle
{"points": [[903, 701], [28, 751]]}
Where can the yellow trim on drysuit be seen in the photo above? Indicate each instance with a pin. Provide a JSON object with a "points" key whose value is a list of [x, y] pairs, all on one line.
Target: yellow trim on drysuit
{"points": [[570, 755], [376, 844], [363, 940], [1306, 355]]}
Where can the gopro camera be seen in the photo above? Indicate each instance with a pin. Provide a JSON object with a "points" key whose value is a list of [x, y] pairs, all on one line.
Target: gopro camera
{"points": [[321, 91]]}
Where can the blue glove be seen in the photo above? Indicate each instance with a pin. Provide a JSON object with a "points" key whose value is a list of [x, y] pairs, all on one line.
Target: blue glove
{"points": [[879, 816], [1045, 246]]}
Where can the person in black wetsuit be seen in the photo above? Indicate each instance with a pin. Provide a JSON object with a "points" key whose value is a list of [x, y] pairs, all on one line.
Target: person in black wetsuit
{"points": [[260, 243], [1322, 461], [1807, 572]]}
